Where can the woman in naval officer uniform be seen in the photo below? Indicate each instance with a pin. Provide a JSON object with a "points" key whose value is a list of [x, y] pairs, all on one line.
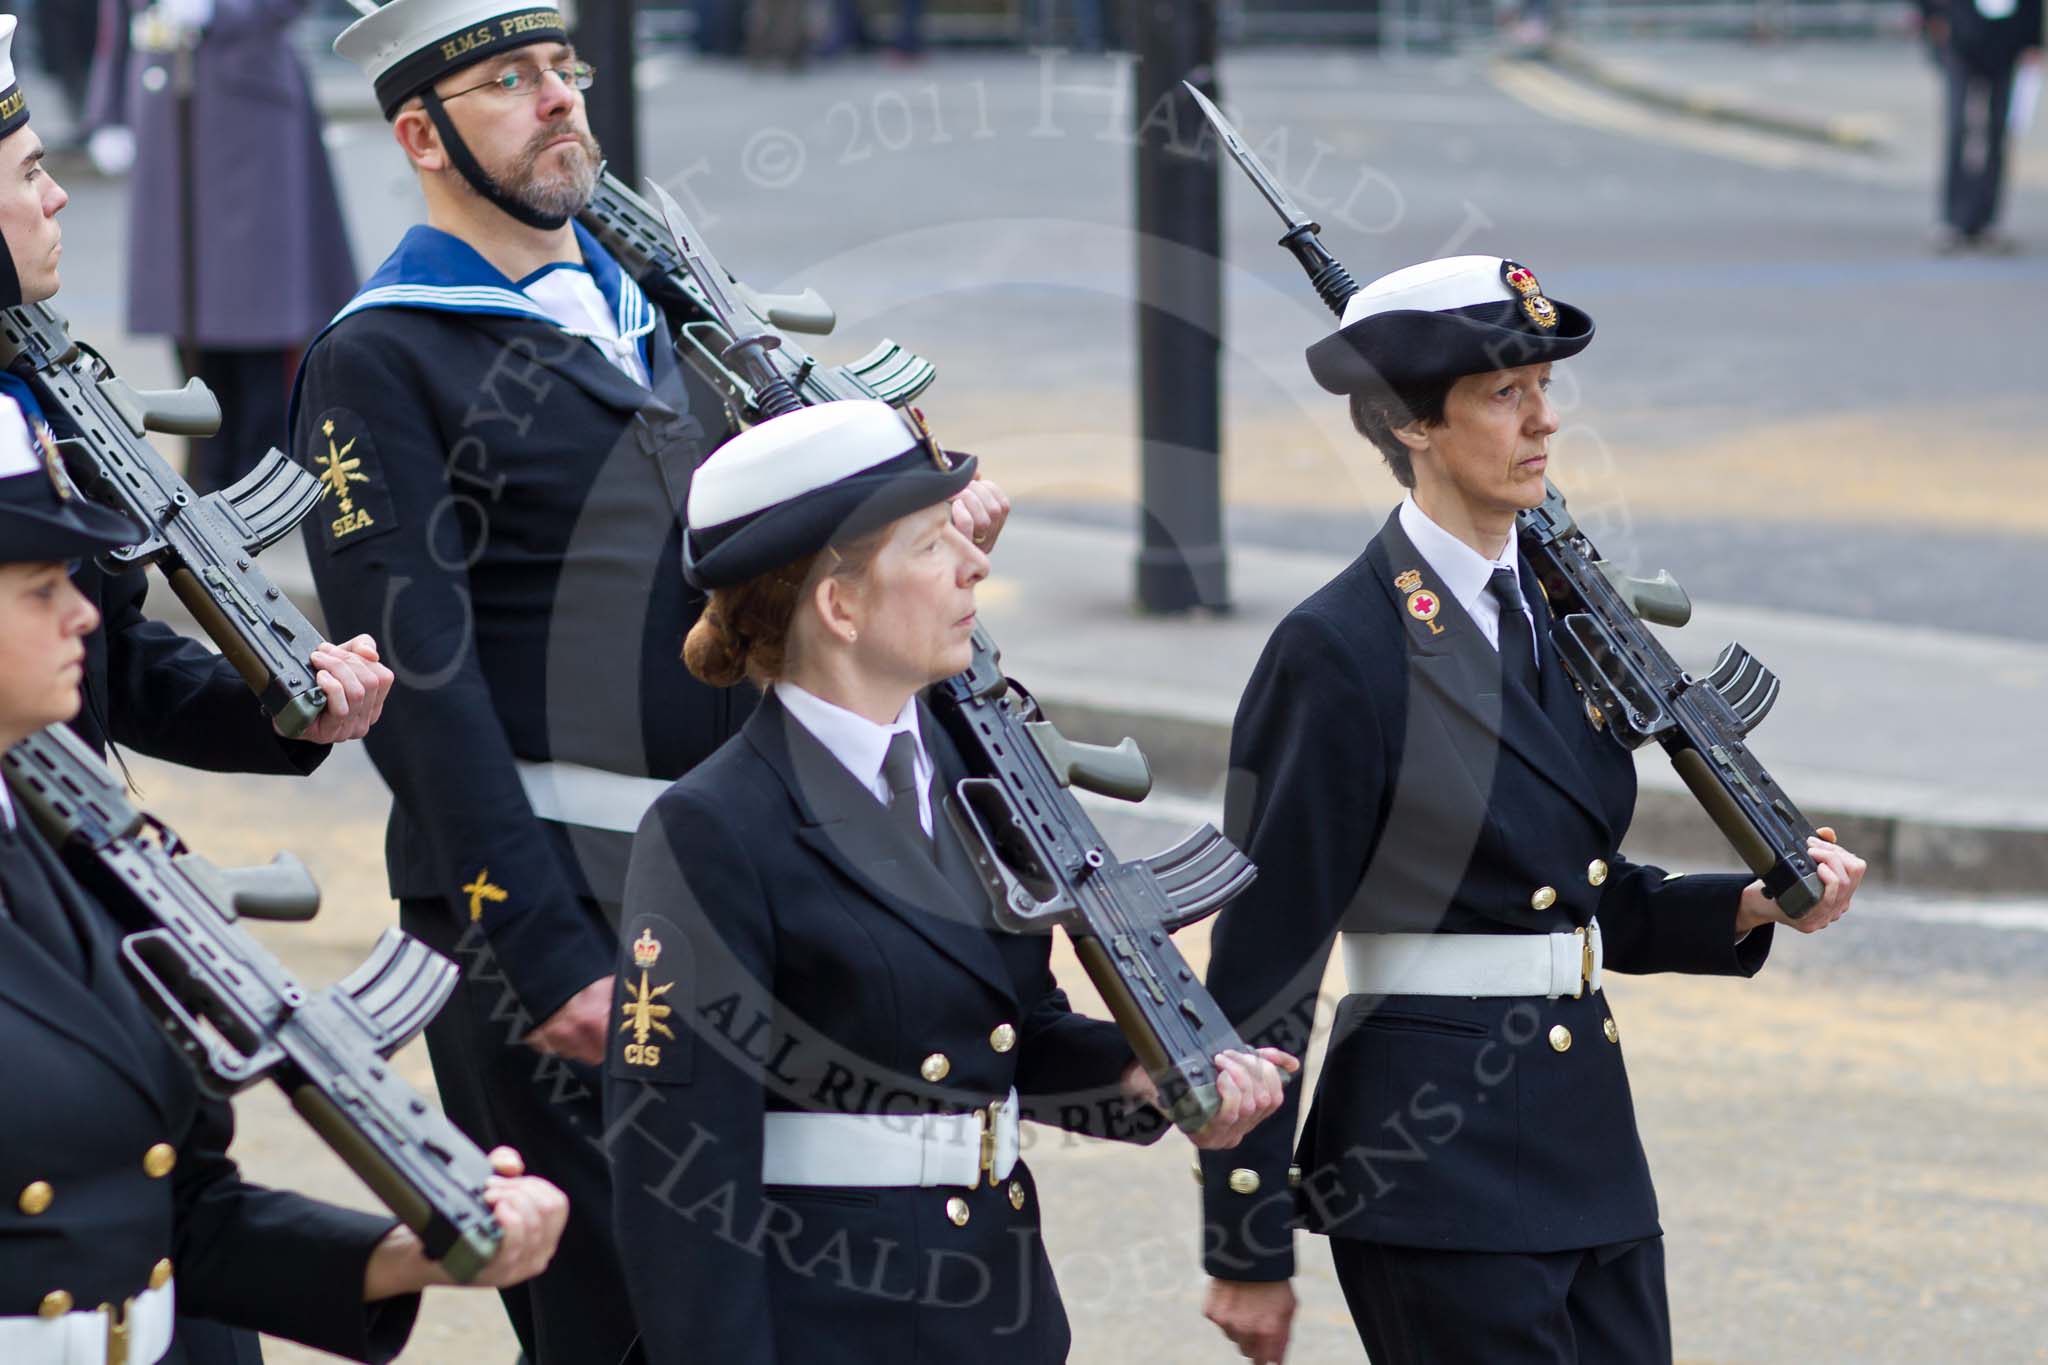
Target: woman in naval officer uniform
{"points": [[119, 1198], [1415, 774], [822, 1049]]}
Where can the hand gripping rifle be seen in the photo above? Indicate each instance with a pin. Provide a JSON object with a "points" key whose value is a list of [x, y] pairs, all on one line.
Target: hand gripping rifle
{"points": [[206, 546], [1600, 635], [238, 1015], [1039, 856]]}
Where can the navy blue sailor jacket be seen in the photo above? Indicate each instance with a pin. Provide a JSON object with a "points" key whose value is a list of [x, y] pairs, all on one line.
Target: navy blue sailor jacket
{"points": [[784, 947], [502, 510], [115, 1163], [1386, 778]]}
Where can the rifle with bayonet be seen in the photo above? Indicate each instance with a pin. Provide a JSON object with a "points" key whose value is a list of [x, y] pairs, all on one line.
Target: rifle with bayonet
{"points": [[1602, 639], [238, 1015], [1033, 845], [628, 227], [205, 546]]}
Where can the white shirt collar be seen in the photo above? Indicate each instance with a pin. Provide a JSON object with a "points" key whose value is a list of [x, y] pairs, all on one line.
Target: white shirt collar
{"points": [[572, 298], [6, 807], [1465, 572], [859, 744]]}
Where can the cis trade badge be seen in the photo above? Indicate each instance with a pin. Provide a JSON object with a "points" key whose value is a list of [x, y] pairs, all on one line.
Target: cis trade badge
{"points": [[646, 1042], [354, 503], [1408, 580], [1535, 307]]}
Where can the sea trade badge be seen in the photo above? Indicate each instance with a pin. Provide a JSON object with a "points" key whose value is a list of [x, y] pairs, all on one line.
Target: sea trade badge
{"points": [[1535, 307], [354, 504]]}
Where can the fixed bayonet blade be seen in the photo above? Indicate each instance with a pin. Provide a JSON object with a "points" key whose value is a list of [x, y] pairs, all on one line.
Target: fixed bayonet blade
{"points": [[1253, 167], [737, 319]]}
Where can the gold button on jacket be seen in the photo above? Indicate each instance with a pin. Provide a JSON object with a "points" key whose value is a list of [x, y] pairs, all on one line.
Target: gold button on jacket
{"points": [[956, 1209], [158, 1160], [1560, 1038], [1612, 1030], [55, 1304], [1016, 1194], [160, 1274], [1244, 1181], [1545, 897], [35, 1198], [936, 1067], [1596, 872], [1003, 1038]]}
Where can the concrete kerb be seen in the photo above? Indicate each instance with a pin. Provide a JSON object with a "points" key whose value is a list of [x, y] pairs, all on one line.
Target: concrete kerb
{"points": [[1620, 79]]}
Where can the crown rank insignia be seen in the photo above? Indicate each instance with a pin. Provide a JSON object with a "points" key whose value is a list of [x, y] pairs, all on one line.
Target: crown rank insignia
{"points": [[646, 949], [1535, 307], [1408, 580]]}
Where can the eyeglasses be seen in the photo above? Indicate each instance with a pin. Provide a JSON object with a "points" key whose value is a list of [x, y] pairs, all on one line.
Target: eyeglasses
{"points": [[527, 80]]}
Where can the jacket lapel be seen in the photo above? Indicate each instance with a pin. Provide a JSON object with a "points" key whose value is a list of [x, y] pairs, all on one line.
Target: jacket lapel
{"points": [[1449, 654], [848, 827], [92, 1014]]}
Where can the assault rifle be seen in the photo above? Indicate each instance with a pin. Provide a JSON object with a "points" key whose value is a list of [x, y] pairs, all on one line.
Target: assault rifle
{"points": [[1039, 856], [634, 233], [206, 547], [1599, 632], [238, 1015]]}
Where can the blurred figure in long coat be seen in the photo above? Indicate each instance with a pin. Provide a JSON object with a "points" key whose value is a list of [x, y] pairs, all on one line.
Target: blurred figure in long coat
{"points": [[270, 261]]}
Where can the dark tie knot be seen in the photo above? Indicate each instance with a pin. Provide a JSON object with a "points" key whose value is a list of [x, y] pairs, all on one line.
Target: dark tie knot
{"points": [[1506, 589], [899, 766]]}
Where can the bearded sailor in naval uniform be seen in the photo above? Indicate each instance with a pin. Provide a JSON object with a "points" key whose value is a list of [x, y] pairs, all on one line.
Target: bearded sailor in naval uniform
{"points": [[1419, 780]]}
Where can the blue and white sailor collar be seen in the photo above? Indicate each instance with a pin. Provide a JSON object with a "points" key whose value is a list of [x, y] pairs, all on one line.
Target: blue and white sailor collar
{"points": [[439, 272]]}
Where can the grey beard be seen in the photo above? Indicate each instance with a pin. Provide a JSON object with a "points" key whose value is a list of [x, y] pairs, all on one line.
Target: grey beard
{"points": [[562, 195]]}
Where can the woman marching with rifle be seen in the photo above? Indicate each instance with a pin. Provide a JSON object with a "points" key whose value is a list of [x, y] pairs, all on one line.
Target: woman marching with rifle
{"points": [[823, 1049], [1420, 781], [118, 1203]]}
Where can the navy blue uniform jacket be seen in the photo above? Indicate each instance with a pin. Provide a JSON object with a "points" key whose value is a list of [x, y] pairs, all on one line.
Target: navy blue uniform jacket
{"points": [[92, 1085], [503, 513], [812, 958], [1384, 779]]}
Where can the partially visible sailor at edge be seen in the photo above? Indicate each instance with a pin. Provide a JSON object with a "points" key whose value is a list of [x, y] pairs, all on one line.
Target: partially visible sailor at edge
{"points": [[1420, 782], [507, 439], [825, 1046], [147, 686], [121, 1205]]}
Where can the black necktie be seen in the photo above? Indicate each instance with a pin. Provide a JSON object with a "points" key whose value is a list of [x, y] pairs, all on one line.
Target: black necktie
{"points": [[899, 771], [1517, 641], [32, 901]]}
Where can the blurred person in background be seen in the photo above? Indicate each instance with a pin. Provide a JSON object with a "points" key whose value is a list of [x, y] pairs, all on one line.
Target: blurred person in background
{"points": [[1979, 45], [237, 248]]}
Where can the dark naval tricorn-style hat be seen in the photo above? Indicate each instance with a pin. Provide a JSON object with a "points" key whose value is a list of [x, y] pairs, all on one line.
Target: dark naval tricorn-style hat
{"points": [[1454, 316], [407, 45], [42, 517], [795, 484]]}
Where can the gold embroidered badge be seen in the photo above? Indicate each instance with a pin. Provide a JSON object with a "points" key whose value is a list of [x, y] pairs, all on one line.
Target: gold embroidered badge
{"points": [[1535, 307], [1408, 580], [643, 1015], [480, 891], [337, 472]]}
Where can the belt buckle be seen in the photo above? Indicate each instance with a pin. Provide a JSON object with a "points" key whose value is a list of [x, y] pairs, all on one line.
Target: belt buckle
{"points": [[989, 1118], [1585, 934], [118, 1323]]}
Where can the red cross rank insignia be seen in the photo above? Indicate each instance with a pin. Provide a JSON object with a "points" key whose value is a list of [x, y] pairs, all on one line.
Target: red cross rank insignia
{"points": [[354, 503], [650, 1041], [1535, 307], [1423, 604]]}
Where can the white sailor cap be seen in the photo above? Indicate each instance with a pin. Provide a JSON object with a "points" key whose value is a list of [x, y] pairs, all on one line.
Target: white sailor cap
{"points": [[1444, 318], [42, 517], [13, 103], [795, 484], [407, 45]]}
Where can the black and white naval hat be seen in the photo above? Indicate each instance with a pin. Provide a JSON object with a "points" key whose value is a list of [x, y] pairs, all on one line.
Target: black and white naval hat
{"points": [[42, 517], [13, 103], [1454, 316], [407, 45], [795, 484]]}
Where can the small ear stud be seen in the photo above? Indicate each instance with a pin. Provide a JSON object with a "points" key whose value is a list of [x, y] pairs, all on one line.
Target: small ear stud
{"points": [[852, 635]]}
